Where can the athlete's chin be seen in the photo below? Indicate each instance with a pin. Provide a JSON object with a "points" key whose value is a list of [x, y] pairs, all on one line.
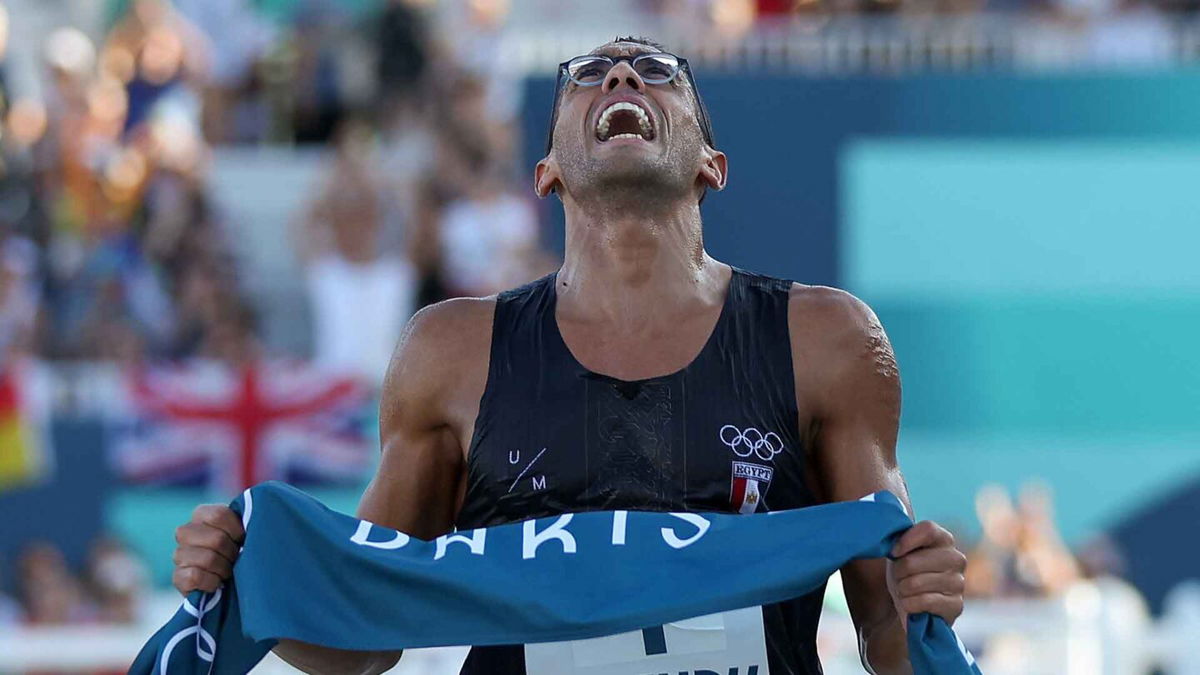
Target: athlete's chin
{"points": [[632, 162], [644, 178], [623, 153]]}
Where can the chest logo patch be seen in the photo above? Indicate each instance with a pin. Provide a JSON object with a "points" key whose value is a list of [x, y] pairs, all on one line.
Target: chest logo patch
{"points": [[751, 441], [750, 481]]}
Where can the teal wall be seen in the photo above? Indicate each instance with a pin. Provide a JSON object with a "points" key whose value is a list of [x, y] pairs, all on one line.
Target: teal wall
{"points": [[1043, 297], [959, 217]]}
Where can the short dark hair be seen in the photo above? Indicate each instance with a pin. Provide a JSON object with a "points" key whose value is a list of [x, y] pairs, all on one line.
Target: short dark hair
{"points": [[637, 40]]}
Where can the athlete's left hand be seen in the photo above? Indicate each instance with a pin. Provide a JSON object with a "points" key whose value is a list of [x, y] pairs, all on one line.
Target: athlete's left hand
{"points": [[926, 574]]}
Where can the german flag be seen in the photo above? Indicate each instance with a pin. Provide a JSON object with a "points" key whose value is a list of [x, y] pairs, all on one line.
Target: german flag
{"points": [[22, 460]]}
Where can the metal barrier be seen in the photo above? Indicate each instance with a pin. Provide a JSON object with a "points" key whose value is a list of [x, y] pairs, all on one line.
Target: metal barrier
{"points": [[896, 45]]}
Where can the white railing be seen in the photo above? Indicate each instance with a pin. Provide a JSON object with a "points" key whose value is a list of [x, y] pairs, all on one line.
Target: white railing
{"points": [[1094, 629], [893, 45]]}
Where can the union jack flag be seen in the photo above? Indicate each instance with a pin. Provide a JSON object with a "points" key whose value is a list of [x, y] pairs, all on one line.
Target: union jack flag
{"points": [[206, 423]]}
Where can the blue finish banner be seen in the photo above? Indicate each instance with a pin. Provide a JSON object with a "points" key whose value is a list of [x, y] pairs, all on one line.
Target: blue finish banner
{"points": [[311, 574]]}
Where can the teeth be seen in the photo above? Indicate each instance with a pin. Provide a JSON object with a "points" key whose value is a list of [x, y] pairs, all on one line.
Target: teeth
{"points": [[643, 119]]}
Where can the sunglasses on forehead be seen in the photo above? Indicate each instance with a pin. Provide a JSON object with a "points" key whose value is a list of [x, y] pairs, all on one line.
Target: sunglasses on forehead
{"points": [[655, 68]]}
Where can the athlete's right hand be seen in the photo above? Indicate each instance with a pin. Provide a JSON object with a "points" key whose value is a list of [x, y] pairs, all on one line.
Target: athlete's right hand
{"points": [[208, 544]]}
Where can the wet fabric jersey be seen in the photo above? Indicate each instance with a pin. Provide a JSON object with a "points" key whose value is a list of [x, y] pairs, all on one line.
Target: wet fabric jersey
{"points": [[719, 435]]}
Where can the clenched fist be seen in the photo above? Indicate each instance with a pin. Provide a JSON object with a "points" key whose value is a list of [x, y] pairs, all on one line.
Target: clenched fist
{"points": [[926, 574], [208, 545]]}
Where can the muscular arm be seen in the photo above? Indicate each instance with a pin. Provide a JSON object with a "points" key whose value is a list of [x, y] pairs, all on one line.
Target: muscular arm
{"points": [[848, 388], [429, 402]]}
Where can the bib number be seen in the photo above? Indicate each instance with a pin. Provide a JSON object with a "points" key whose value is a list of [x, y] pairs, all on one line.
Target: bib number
{"points": [[729, 643]]}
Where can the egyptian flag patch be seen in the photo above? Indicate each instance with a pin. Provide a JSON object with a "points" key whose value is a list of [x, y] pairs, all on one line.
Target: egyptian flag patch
{"points": [[750, 482]]}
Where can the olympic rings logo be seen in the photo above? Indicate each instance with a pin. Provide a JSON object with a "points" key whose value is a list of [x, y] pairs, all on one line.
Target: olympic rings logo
{"points": [[752, 441]]}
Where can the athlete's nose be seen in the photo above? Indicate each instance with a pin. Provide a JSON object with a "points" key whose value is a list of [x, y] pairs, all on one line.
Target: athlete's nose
{"points": [[623, 73]]}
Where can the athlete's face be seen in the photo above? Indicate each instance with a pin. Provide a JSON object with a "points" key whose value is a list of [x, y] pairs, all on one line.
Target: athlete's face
{"points": [[601, 145]]}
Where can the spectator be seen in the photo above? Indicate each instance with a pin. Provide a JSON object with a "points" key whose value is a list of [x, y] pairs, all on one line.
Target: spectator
{"points": [[202, 291], [51, 595], [86, 116], [233, 337], [407, 156], [992, 567], [23, 126], [237, 38], [158, 77], [161, 59], [19, 294], [70, 58], [482, 48], [22, 123], [1021, 552], [1100, 557], [488, 236], [360, 295], [403, 48], [116, 282], [316, 90], [116, 579], [469, 181], [1046, 559]]}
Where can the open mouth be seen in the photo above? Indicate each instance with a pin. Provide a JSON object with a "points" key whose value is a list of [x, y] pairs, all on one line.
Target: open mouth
{"points": [[624, 119]]}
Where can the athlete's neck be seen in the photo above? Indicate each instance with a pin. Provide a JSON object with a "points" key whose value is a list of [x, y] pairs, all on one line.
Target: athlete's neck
{"points": [[633, 265]]}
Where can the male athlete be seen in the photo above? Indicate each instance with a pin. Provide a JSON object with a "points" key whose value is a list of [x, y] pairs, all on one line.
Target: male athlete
{"points": [[643, 375]]}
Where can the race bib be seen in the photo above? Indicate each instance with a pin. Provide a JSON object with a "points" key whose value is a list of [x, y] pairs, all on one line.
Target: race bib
{"points": [[729, 643]]}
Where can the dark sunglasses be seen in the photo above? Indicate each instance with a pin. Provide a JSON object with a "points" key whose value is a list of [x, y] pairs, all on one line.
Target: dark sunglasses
{"points": [[656, 68]]}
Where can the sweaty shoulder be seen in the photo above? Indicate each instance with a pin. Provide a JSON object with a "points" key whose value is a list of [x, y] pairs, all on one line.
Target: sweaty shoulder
{"points": [[442, 358], [836, 336]]}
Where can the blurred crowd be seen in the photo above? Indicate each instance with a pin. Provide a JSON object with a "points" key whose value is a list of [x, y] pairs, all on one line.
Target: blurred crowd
{"points": [[47, 592], [1020, 553], [112, 245]]}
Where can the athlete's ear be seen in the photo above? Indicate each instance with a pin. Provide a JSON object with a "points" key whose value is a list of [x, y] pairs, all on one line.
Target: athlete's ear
{"points": [[545, 176], [715, 169]]}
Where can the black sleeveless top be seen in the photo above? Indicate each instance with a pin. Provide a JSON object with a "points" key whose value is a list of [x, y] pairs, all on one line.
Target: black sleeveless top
{"points": [[552, 437]]}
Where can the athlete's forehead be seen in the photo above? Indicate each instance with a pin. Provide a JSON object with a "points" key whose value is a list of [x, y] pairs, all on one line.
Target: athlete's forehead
{"points": [[617, 49]]}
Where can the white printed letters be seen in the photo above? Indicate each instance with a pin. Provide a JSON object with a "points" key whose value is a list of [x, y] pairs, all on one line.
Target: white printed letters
{"points": [[619, 517], [362, 538], [533, 538], [475, 541], [673, 539]]}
